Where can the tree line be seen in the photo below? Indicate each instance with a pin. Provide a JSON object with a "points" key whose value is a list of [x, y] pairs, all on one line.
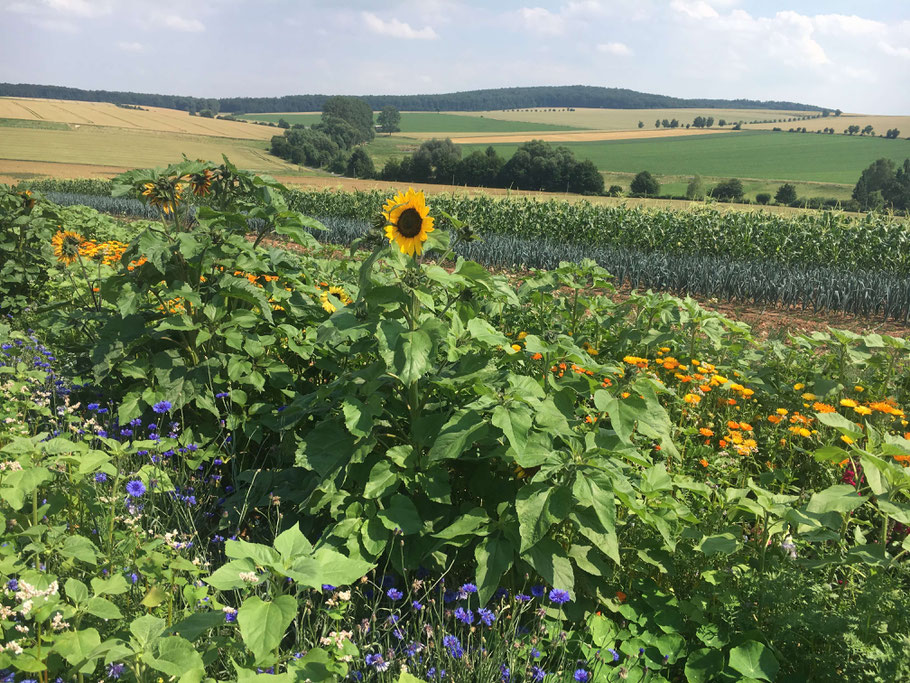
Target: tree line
{"points": [[471, 100]]}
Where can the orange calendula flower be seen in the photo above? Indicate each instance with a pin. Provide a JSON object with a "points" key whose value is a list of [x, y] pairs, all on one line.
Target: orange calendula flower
{"points": [[704, 431], [620, 596], [822, 407], [745, 426], [882, 407], [732, 425], [692, 399], [774, 419], [703, 462], [537, 356]]}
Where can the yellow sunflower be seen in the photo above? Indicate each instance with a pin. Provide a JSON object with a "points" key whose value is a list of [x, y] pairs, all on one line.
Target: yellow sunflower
{"points": [[66, 246], [407, 221], [338, 293]]}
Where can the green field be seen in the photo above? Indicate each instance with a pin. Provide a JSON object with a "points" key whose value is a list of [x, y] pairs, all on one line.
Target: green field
{"points": [[428, 122], [27, 123], [747, 154]]}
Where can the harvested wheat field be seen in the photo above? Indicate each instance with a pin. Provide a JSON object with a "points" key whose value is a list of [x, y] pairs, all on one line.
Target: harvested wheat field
{"points": [[110, 115], [585, 136]]}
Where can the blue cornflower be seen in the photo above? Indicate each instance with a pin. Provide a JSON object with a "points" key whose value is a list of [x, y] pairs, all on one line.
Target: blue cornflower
{"points": [[500, 593], [416, 605], [93, 406], [469, 588], [114, 670], [392, 619], [559, 596], [451, 644], [230, 616], [135, 488], [135, 422], [102, 411], [222, 394], [581, 675], [398, 633], [162, 407], [394, 594], [537, 591], [328, 587], [614, 653], [377, 662], [354, 675], [504, 673], [537, 674], [100, 477], [521, 597], [466, 617], [126, 432], [535, 653], [413, 648], [12, 584], [449, 596], [486, 616]]}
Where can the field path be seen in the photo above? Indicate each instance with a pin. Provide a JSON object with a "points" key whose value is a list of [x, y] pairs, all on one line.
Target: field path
{"points": [[584, 136]]}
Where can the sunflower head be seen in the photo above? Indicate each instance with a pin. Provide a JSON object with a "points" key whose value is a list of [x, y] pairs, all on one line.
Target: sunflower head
{"points": [[66, 246], [408, 222]]}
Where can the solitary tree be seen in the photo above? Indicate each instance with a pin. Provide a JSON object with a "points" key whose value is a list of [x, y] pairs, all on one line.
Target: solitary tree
{"points": [[645, 184], [730, 190], [696, 188], [786, 194], [283, 124], [389, 120], [360, 165], [641, 124]]}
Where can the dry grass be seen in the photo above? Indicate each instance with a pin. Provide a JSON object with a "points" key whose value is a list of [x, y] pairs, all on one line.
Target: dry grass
{"points": [[102, 146], [583, 136], [627, 119], [151, 118]]}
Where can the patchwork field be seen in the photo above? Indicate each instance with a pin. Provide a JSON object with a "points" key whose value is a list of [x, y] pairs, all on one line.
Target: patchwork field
{"points": [[587, 136], [428, 122], [109, 115], [880, 124], [627, 119], [745, 154], [103, 146]]}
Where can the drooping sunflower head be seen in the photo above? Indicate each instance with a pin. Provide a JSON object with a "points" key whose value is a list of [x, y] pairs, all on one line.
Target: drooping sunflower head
{"points": [[408, 222], [201, 182], [66, 246]]}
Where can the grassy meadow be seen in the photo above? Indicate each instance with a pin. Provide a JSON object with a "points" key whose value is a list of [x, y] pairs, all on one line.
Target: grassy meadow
{"points": [[744, 154], [429, 122]]}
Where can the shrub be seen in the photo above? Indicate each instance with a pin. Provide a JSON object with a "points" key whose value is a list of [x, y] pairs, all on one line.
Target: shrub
{"points": [[645, 184]]}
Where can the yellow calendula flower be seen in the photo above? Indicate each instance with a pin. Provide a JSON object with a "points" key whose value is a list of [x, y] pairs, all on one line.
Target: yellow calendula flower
{"points": [[846, 439], [522, 335], [863, 410], [809, 396], [799, 386], [516, 347], [408, 222], [692, 399], [781, 411], [858, 389], [66, 246], [848, 403]]}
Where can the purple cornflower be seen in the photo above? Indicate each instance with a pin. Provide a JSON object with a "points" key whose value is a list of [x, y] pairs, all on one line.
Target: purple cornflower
{"points": [[581, 675], [162, 407], [504, 673], [468, 588], [537, 674], [465, 617], [559, 596], [451, 644], [486, 616], [135, 488], [500, 593], [222, 394], [614, 653], [100, 477], [93, 406], [416, 605], [114, 670], [537, 591], [328, 587], [394, 594], [535, 653], [377, 662], [12, 584], [521, 597]]}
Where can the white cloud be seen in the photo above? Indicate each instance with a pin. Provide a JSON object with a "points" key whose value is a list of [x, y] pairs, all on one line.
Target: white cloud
{"points": [[618, 49], [178, 23], [543, 21], [397, 29], [842, 24], [889, 49], [694, 9], [130, 47]]}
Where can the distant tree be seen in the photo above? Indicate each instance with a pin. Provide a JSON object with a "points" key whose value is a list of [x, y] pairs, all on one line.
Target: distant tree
{"points": [[785, 195], [360, 165], [838, 112], [893, 133], [657, 123], [641, 124], [709, 122], [696, 188], [729, 190], [283, 124], [722, 122], [207, 113], [389, 120], [737, 126], [665, 123], [352, 110], [699, 122], [674, 123], [645, 184], [763, 198], [615, 191], [868, 130], [884, 184], [479, 169]]}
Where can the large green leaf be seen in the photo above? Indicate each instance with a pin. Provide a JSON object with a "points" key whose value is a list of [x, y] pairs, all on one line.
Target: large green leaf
{"points": [[412, 357], [539, 506], [755, 660], [549, 560], [514, 419], [463, 429], [838, 498], [401, 514], [263, 624], [177, 657], [494, 555]]}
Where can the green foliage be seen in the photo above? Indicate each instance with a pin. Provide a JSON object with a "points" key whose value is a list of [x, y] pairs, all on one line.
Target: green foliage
{"points": [[389, 120], [786, 194], [26, 228], [729, 190], [645, 184]]}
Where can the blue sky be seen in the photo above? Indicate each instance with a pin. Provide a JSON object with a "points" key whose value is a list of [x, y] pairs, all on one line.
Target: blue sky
{"points": [[851, 55]]}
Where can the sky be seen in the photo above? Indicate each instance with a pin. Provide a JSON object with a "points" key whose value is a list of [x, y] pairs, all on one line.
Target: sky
{"points": [[834, 53]]}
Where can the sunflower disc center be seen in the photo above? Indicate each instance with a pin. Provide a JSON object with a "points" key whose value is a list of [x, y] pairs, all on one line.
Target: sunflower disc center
{"points": [[409, 223]]}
